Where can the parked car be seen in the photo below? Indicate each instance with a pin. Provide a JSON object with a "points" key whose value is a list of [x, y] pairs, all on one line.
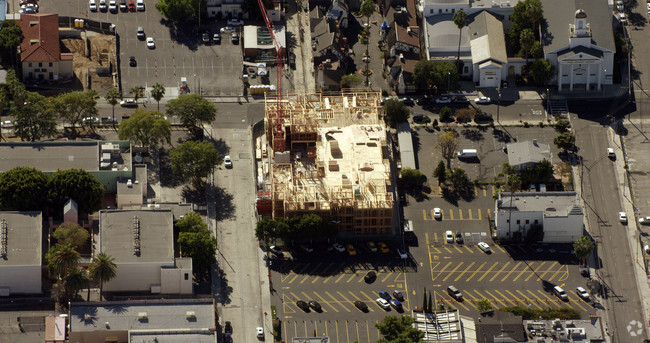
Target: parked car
{"points": [[622, 217], [485, 247], [455, 293], [560, 293], [449, 236], [112, 6], [260, 332], [234, 37], [227, 29], [418, 118], [443, 100], [205, 37], [371, 246], [361, 305], [227, 162], [423, 101], [306, 248], [396, 304], [235, 22], [351, 250], [302, 305], [482, 117], [383, 247], [150, 43], [407, 101], [92, 5], [133, 62], [644, 220], [437, 213], [384, 295], [140, 33], [402, 254], [102, 5], [338, 247], [610, 153], [582, 293], [227, 328], [216, 38], [315, 305], [276, 250], [370, 277], [459, 237], [28, 9], [128, 103], [383, 303], [123, 7], [139, 5], [482, 100], [398, 295], [90, 121], [459, 99], [131, 6]]}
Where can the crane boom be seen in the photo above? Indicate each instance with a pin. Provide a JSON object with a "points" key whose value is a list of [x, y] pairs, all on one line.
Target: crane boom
{"points": [[278, 139]]}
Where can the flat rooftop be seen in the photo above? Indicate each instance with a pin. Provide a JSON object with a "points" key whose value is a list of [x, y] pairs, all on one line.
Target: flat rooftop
{"points": [[160, 315], [52, 156], [156, 236], [24, 236], [553, 204]]}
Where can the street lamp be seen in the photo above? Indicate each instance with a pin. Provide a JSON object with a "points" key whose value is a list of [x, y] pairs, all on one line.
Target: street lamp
{"points": [[498, 104], [448, 75]]}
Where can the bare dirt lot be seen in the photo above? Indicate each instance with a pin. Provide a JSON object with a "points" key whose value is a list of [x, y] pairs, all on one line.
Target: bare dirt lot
{"points": [[101, 52]]}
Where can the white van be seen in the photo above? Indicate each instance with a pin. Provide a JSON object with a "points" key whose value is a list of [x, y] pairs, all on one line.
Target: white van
{"points": [[467, 153]]}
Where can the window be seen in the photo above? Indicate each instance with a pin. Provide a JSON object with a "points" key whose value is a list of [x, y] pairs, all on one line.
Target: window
{"points": [[431, 11], [50, 64], [518, 221], [29, 64], [439, 10], [187, 276], [535, 221], [465, 70], [507, 220], [40, 64], [453, 10], [527, 221]]}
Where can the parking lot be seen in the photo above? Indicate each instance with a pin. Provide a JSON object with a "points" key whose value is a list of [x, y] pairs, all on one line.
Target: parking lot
{"points": [[215, 69]]}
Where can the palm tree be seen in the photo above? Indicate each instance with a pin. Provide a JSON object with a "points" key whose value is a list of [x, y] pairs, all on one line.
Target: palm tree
{"points": [[102, 269], [527, 39], [74, 281], [460, 19], [60, 258], [137, 93], [157, 92], [111, 97], [583, 247]]}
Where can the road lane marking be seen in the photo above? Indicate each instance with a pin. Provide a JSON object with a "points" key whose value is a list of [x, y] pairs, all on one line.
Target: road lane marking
{"points": [[510, 272], [464, 271], [475, 272], [535, 271], [525, 270], [487, 272]]}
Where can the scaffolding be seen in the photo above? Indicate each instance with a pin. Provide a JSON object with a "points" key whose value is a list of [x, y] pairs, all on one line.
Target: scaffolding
{"points": [[337, 162]]}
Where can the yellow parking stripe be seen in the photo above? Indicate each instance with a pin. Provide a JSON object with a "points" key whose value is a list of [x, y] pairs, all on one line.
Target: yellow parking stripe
{"points": [[451, 215], [450, 302], [424, 214], [479, 214], [444, 247], [305, 268], [464, 271], [500, 248], [489, 270], [308, 298], [387, 276], [511, 271], [565, 274], [575, 300], [525, 270], [476, 271], [351, 277], [460, 214], [305, 279], [496, 299], [346, 300], [339, 279], [469, 211], [541, 300], [458, 249], [535, 271], [336, 301], [443, 269], [523, 301], [468, 249], [497, 273], [435, 237], [555, 274], [453, 271], [295, 297], [528, 300], [505, 297], [548, 270], [325, 302], [294, 278], [355, 297]]}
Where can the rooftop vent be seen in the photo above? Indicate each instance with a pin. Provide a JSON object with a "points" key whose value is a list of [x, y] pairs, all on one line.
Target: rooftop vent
{"points": [[3, 238], [136, 235]]}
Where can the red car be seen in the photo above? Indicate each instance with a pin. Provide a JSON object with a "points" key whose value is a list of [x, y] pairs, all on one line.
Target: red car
{"points": [[131, 6]]}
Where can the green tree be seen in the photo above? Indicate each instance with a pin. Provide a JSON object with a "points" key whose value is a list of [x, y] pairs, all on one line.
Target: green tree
{"points": [[448, 143], [102, 269], [194, 159], [79, 185], [507, 169], [526, 14], [177, 10], [446, 115], [137, 92], [412, 178], [526, 39], [542, 71], [74, 106], [398, 329], [112, 97], [192, 110], [10, 36], [13, 92], [483, 305], [74, 281], [265, 230], [583, 247], [440, 173], [396, 112], [367, 9], [22, 189], [562, 126], [543, 171], [157, 93], [564, 141], [191, 222], [459, 180], [430, 75], [35, 119], [71, 233], [536, 50], [460, 20], [146, 128], [61, 258], [200, 246], [351, 81]]}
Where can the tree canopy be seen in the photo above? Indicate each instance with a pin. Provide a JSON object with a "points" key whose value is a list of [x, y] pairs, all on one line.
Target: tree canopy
{"points": [[192, 110], [459, 180], [440, 173], [60, 258], [74, 106], [10, 36], [367, 8], [76, 184], [23, 189], [34, 120], [398, 329], [201, 246], [526, 14], [71, 233], [194, 159], [146, 128], [305, 226], [191, 222], [564, 141], [542, 71], [412, 178], [157, 92], [448, 143], [396, 112], [102, 269], [583, 247], [434, 76], [177, 10], [351, 80]]}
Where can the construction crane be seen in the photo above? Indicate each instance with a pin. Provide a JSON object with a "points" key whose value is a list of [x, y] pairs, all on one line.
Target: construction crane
{"points": [[278, 139]]}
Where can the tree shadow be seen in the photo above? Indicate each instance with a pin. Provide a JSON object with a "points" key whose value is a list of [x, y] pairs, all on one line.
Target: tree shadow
{"points": [[195, 193], [225, 209], [223, 290], [473, 134], [182, 33], [117, 308], [167, 176], [502, 135]]}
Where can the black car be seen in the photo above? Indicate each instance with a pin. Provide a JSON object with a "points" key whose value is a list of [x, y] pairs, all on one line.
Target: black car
{"points": [[407, 101], [276, 250], [459, 237], [302, 305], [370, 277], [315, 305], [227, 328], [132, 61], [205, 37], [361, 305], [459, 99], [423, 101], [482, 117], [398, 295]]}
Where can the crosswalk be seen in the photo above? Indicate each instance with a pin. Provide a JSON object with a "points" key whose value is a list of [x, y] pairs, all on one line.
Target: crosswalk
{"points": [[339, 273], [336, 301]]}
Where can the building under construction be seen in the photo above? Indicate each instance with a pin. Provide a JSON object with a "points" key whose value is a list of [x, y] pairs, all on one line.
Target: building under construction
{"points": [[332, 159]]}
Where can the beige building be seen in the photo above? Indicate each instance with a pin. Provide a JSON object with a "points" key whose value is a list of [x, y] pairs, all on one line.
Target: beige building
{"points": [[331, 157], [20, 252], [40, 51]]}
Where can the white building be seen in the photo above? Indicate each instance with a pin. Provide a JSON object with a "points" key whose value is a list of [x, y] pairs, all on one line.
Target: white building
{"points": [[225, 8], [142, 244], [20, 252], [579, 42], [559, 214]]}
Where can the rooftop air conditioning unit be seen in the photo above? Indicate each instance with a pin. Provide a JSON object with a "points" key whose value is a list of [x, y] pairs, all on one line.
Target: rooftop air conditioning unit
{"points": [[88, 316], [190, 314], [129, 183], [142, 315]]}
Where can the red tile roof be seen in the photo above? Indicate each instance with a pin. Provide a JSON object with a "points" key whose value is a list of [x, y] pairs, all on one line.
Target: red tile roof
{"points": [[40, 38]]}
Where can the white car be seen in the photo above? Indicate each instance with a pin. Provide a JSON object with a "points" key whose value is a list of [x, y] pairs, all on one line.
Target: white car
{"points": [[235, 22], [90, 120], [112, 6], [150, 43], [443, 100], [92, 5], [610, 152], [622, 217], [383, 303], [644, 220], [484, 246], [128, 103], [582, 293], [102, 5], [482, 100], [227, 29], [7, 123], [260, 332], [139, 5], [338, 247], [402, 254], [449, 236], [227, 161], [437, 213]]}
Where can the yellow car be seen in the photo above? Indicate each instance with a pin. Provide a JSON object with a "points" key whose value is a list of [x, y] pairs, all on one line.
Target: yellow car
{"points": [[351, 249], [383, 247]]}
